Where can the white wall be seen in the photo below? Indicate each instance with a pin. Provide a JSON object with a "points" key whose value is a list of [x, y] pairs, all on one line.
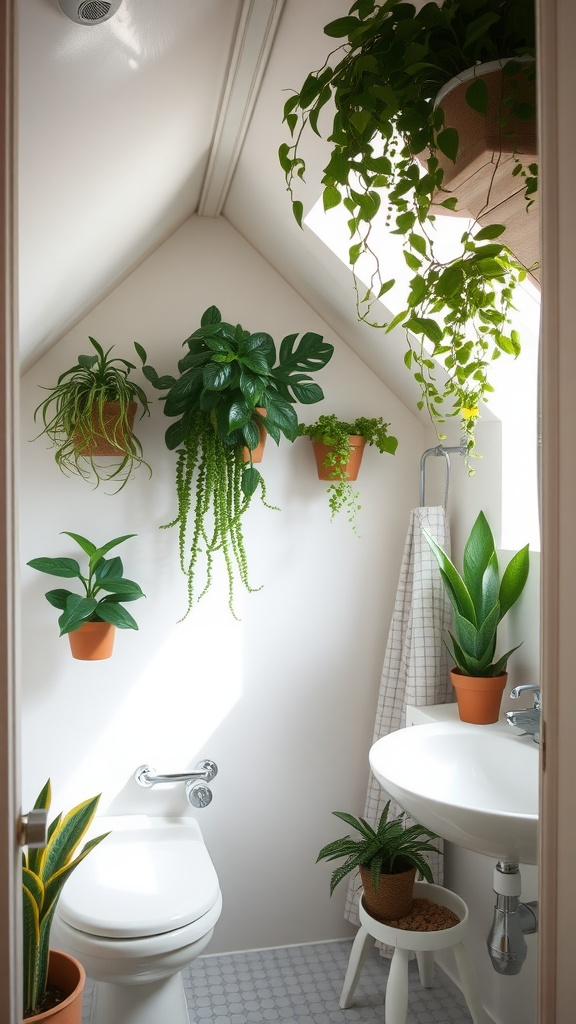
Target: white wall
{"points": [[284, 700]]}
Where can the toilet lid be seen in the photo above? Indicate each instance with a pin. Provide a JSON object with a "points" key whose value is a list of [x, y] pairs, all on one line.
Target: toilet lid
{"points": [[138, 883]]}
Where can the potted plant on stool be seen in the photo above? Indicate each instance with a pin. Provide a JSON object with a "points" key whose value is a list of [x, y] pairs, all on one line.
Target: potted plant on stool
{"points": [[480, 602], [53, 981], [338, 448], [388, 858], [90, 619]]}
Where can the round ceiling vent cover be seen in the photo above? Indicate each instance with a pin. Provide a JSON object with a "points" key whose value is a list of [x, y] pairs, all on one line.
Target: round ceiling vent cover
{"points": [[89, 12]]}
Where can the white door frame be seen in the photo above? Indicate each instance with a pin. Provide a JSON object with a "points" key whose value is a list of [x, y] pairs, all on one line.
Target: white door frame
{"points": [[10, 882]]}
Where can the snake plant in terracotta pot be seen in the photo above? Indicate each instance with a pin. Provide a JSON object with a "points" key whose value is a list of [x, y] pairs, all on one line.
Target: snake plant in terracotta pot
{"points": [[90, 618], [53, 981], [480, 600], [338, 448], [388, 857], [394, 150], [232, 385], [89, 415]]}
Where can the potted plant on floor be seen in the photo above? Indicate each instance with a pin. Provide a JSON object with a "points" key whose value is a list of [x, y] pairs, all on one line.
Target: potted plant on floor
{"points": [[480, 601], [53, 981], [388, 857], [394, 154], [338, 448], [89, 414], [231, 386], [89, 619]]}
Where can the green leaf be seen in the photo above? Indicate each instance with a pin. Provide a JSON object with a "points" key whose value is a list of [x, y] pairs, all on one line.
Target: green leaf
{"points": [[250, 480], [341, 27], [479, 26], [66, 567], [110, 611], [476, 96], [477, 554], [298, 211], [331, 197], [99, 553], [77, 610], [82, 542], [447, 141], [464, 603], [122, 587], [58, 598], [514, 579], [490, 231]]}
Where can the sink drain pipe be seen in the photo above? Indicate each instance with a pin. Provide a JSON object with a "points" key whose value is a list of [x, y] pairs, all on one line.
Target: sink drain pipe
{"points": [[512, 921]]}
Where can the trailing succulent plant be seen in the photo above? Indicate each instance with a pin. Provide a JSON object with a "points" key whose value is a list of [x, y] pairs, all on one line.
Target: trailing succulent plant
{"points": [[388, 139], [335, 434], [76, 418], [104, 587], [480, 599], [389, 848], [231, 383], [44, 872]]}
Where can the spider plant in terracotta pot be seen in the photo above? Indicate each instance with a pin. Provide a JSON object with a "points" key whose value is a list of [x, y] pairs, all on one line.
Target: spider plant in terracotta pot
{"points": [[388, 857], [89, 414], [393, 151], [480, 600], [53, 981], [232, 385], [338, 448], [90, 618]]}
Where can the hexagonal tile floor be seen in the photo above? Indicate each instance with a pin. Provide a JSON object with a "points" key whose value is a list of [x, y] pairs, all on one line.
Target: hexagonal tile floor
{"points": [[302, 985]]}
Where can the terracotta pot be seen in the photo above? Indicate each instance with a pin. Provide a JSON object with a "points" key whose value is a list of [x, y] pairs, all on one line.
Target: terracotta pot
{"points": [[66, 973], [479, 698], [394, 896], [92, 641], [350, 471], [106, 425], [481, 177], [258, 451]]}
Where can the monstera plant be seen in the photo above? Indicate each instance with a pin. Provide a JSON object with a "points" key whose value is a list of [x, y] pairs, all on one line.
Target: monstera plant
{"points": [[393, 151], [231, 385]]}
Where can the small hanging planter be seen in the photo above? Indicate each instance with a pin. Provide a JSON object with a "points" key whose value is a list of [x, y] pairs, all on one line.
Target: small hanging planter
{"points": [[110, 431], [92, 641], [479, 698], [327, 466]]}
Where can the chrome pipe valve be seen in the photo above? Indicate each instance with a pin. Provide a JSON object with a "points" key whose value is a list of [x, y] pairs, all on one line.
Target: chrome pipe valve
{"points": [[198, 793]]}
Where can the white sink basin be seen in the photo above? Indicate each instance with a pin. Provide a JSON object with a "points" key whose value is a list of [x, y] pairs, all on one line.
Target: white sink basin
{"points": [[476, 786]]}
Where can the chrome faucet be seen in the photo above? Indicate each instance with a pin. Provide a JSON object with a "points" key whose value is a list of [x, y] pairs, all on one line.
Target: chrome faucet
{"points": [[529, 719]]}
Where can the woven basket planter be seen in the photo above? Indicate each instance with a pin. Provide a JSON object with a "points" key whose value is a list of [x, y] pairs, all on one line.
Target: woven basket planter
{"points": [[109, 435], [394, 896]]}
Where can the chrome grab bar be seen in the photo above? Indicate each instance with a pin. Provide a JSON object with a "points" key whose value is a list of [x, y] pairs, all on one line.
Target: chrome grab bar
{"points": [[147, 776]]}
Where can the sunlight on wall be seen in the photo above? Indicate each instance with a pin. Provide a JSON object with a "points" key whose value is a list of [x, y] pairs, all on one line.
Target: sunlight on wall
{"points": [[515, 399]]}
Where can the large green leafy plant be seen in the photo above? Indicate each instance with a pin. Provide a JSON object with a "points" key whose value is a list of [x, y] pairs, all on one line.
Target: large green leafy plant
{"points": [[76, 417], [44, 872], [105, 589], [335, 434], [230, 382], [374, 101], [389, 848], [480, 599]]}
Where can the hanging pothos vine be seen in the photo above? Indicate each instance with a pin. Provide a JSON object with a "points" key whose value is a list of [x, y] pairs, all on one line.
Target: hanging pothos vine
{"points": [[232, 385], [390, 146]]}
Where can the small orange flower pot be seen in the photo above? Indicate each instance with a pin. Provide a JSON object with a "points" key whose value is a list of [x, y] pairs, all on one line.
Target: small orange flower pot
{"points": [[92, 641], [67, 974], [348, 472], [479, 698]]}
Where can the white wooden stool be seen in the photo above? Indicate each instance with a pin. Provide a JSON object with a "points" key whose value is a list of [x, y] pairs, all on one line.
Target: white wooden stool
{"points": [[423, 944]]}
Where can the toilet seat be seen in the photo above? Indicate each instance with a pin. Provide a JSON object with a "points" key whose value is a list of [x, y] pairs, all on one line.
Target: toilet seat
{"points": [[128, 889]]}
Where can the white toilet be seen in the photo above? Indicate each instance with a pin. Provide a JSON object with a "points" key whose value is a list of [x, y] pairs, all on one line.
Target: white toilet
{"points": [[138, 909]]}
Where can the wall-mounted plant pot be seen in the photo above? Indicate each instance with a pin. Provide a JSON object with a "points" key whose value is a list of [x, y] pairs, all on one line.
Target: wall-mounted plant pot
{"points": [[350, 471], [92, 641], [481, 177], [258, 451], [108, 435], [68, 975], [394, 896], [479, 698]]}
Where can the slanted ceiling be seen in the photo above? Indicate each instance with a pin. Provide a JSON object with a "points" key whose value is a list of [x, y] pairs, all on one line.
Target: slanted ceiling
{"points": [[172, 107]]}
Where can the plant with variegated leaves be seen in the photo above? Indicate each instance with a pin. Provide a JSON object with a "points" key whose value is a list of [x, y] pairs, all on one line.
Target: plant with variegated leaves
{"points": [[44, 872], [480, 599]]}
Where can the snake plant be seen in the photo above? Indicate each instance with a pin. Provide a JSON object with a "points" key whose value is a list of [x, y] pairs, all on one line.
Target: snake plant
{"points": [[480, 599], [44, 872]]}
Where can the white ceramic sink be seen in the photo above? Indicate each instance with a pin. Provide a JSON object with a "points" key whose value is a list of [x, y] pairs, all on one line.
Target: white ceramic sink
{"points": [[476, 786]]}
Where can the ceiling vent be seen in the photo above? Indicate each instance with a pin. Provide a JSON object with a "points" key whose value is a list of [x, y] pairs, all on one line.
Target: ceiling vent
{"points": [[89, 12]]}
